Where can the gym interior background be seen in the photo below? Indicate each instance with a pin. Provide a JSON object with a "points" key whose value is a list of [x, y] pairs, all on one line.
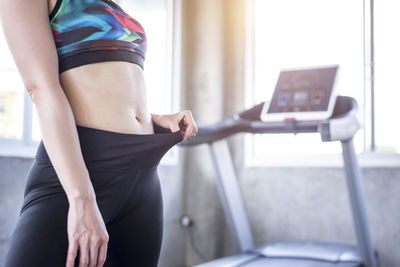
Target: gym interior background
{"points": [[218, 57]]}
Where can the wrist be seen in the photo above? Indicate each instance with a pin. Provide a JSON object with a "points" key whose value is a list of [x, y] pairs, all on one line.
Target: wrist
{"points": [[80, 197], [155, 117]]}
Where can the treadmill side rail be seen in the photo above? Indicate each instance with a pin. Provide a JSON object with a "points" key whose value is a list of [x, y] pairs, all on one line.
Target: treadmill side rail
{"points": [[357, 201], [230, 195]]}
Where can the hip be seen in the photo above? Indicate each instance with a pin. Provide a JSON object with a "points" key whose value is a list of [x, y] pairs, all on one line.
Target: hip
{"points": [[116, 151], [113, 160]]}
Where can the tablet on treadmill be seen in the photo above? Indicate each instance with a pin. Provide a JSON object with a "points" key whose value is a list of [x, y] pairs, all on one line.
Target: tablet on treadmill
{"points": [[302, 94]]}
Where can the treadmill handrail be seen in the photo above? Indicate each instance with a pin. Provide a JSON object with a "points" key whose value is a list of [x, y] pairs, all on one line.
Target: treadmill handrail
{"points": [[342, 125]]}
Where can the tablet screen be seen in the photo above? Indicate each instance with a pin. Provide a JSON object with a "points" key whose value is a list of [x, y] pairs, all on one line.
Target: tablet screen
{"points": [[303, 90]]}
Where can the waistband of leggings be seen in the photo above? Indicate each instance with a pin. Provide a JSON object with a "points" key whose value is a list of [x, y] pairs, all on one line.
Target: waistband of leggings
{"points": [[104, 149]]}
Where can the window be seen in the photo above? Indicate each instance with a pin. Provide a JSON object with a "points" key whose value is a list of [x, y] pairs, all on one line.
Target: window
{"points": [[387, 84], [11, 96], [293, 33], [153, 15], [19, 124]]}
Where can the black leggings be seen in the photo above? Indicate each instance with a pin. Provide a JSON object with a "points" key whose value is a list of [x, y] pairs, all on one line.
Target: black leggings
{"points": [[123, 171]]}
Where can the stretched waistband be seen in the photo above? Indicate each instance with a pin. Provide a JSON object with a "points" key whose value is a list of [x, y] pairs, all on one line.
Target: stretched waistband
{"points": [[105, 149]]}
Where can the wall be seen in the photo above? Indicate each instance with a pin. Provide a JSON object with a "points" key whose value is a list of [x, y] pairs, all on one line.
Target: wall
{"points": [[12, 180], [202, 93], [310, 204]]}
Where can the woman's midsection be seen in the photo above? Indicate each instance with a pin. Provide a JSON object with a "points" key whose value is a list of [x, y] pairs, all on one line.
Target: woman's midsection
{"points": [[108, 95]]}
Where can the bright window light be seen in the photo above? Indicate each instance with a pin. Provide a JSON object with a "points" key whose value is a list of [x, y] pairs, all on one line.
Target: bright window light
{"points": [[153, 17], [293, 33], [387, 83], [11, 95]]}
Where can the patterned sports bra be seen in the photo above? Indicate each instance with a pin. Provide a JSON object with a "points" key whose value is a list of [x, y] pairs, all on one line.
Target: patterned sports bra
{"points": [[89, 31]]}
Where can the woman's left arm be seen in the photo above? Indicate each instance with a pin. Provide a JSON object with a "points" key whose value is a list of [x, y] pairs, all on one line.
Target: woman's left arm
{"points": [[182, 121]]}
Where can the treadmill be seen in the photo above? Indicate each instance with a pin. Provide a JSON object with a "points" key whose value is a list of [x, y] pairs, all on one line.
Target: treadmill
{"points": [[341, 126]]}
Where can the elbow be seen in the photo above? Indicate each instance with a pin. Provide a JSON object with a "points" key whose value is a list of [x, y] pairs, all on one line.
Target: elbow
{"points": [[31, 93], [36, 89], [31, 90]]}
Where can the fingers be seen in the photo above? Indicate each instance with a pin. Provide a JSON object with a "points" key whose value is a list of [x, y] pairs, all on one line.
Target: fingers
{"points": [[72, 251], [84, 251], [190, 126], [102, 251], [94, 249], [190, 132], [87, 235], [92, 252]]}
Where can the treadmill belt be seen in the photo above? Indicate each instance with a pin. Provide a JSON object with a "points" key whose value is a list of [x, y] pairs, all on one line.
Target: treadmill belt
{"points": [[264, 262]]}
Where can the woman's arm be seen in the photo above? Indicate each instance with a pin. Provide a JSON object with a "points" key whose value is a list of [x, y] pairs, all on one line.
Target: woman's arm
{"points": [[27, 30]]}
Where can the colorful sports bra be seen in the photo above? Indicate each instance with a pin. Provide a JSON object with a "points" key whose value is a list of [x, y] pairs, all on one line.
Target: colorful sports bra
{"points": [[89, 31]]}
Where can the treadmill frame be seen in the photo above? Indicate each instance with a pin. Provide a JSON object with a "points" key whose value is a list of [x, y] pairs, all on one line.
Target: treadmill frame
{"points": [[333, 129]]}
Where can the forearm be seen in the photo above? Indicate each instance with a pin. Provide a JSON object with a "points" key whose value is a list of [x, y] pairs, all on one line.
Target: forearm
{"points": [[60, 138]]}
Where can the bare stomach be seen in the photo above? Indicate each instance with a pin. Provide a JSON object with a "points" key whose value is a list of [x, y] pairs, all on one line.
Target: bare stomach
{"points": [[108, 95]]}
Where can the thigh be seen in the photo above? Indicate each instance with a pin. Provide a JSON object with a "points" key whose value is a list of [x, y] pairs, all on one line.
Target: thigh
{"points": [[40, 238], [137, 230]]}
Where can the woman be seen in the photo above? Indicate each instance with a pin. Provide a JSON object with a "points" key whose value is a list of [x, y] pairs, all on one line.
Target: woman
{"points": [[92, 195]]}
